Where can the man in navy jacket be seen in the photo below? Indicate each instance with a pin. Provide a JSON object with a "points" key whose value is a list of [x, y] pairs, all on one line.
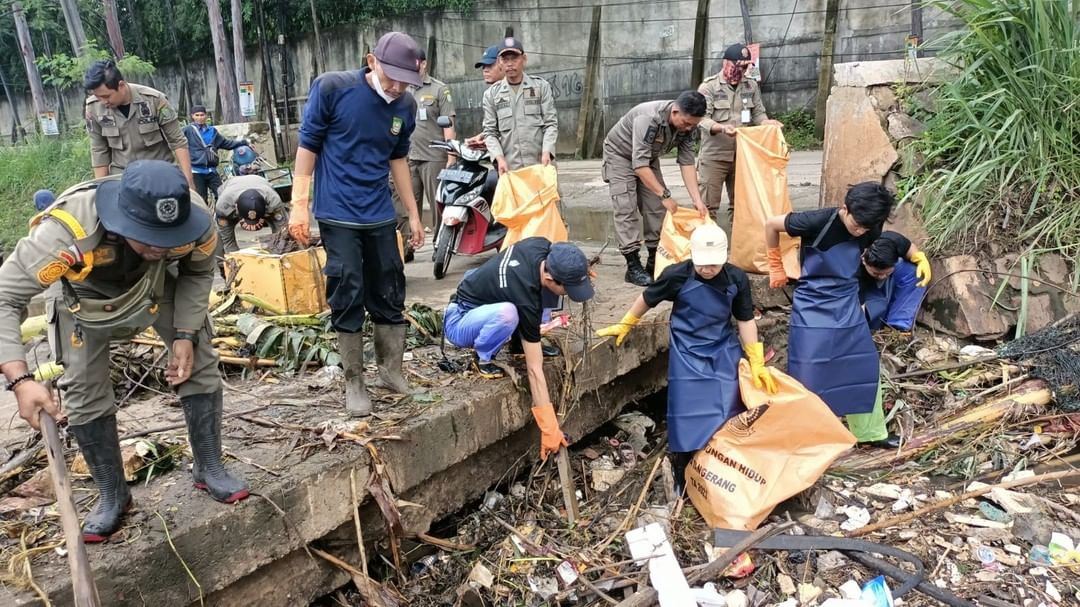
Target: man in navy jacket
{"points": [[203, 143]]}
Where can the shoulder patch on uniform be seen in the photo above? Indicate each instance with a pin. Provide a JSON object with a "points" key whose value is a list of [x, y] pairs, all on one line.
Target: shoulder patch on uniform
{"points": [[395, 125], [650, 135], [207, 248], [166, 113], [51, 272], [67, 257]]}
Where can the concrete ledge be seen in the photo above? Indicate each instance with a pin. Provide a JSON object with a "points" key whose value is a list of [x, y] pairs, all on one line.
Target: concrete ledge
{"points": [[862, 74]]}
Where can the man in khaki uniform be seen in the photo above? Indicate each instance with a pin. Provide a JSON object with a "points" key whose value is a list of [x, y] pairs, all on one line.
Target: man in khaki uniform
{"points": [[248, 201], [129, 253], [731, 101], [129, 122], [631, 168], [520, 124]]}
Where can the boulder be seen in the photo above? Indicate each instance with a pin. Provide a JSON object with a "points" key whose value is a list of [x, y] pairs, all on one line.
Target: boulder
{"points": [[883, 98], [960, 304], [1041, 312], [856, 146], [912, 160], [902, 126], [905, 220]]}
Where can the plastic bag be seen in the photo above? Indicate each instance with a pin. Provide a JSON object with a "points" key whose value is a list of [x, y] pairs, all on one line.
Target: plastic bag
{"points": [[524, 202], [761, 191], [779, 447], [675, 237]]}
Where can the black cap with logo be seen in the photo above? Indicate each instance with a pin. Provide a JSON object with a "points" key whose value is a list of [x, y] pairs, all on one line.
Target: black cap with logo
{"points": [[151, 204]]}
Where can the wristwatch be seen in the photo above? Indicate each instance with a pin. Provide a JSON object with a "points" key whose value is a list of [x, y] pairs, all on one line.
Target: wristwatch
{"points": [[192, 336], [665, 194]]}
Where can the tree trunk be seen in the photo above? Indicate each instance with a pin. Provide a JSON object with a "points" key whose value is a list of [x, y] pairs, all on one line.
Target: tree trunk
{"points": [[136, 26], [238, 40], [74, 26], [179, 58], [320, 61], [112, 24], [26, 49], [226, 77], [16, 126]]}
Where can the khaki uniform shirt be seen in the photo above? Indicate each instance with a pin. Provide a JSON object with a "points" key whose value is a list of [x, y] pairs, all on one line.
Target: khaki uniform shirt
{"points": [[51, 251], [724, 104], [520, 125], [432, 100], [150, 131], [276, 212], [645, 133]]}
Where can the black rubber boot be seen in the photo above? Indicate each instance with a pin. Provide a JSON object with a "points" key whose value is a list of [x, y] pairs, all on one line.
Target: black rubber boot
{"points": [[890, 442], [100, 447], [549, 350], [202, 412], [650, 262], [679, 461], [635, 274]]}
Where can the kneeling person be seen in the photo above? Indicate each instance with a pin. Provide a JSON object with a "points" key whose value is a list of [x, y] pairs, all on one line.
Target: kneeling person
{"points": [[704, 352], [507, 296], [250, 202], [129, 253]]}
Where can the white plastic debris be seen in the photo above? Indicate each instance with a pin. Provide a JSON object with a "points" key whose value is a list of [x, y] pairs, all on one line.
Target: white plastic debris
{"points": [[857, 517], [567, 572], [884, 491], [665, 575], [970, 353], [708, 596], [1052, 592], [737, 598], [851, 590]]}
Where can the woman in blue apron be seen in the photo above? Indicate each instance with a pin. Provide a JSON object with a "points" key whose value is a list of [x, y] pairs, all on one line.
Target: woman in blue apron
{"points": [[704, 351], [830, 349]]}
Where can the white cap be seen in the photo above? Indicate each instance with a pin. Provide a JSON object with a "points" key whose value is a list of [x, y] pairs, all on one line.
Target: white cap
{"points": [[708, 245]]}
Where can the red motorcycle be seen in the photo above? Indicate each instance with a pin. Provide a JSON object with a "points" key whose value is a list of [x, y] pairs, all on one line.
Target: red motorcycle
{"points": [[464, 197]]}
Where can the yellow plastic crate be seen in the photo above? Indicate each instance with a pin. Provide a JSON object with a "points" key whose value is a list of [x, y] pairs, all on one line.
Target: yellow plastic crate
{"points": [[293, 283]]}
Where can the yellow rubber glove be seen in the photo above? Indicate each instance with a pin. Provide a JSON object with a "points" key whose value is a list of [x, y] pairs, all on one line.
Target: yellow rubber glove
{"points": [[922, 268], [777, 274], [300, 215], [755, 353], [621, 329], [551, 436]]}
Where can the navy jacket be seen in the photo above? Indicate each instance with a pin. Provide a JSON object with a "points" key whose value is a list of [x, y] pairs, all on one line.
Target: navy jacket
{"points": [[203, 154]]}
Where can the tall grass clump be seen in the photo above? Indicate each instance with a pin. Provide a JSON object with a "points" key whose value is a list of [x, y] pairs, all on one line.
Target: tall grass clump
{"points": [[1003, 146], [50, 163]]}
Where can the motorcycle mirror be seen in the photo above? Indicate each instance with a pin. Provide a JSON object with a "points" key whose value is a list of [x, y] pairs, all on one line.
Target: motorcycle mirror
{"points": [[443, 122]]}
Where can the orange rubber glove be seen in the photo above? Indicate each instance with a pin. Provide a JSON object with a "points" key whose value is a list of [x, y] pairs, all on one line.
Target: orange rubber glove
{"points": [[551, 436], [755, 353], [777, 274], [300, 214]]}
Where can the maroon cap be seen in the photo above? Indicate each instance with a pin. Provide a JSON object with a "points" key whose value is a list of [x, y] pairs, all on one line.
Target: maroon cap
{"points": [[399, 57]]}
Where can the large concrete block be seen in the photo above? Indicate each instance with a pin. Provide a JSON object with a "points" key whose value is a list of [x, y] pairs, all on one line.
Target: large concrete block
{"points": [[857, 148], [962, 304], [870, 73]]}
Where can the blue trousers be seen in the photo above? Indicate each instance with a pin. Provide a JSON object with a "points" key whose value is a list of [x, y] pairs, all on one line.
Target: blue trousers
{"points": [[485, 328]]}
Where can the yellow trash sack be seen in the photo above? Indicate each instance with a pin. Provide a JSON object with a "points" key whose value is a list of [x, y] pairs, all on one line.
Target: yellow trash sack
{"points": [[779, 447], [761, 191], [675, 237], [525, 203]]}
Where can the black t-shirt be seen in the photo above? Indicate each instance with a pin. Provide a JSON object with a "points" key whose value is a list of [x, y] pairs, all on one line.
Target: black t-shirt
{"points": [[513, 276], [899, 242], [666, 287], [124, 109], [808, 224]]}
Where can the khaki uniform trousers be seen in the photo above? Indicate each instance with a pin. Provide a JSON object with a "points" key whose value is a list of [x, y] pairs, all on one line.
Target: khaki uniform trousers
{"points": [[636, 207]]}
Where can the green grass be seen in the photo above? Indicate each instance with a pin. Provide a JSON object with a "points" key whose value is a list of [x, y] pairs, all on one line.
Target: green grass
{"points": [[1003, 146], [799, 130], [47, 163]]}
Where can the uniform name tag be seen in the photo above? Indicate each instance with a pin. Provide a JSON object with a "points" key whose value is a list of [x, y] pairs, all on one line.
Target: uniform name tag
{"points": [[421, 114], [745, 116]]}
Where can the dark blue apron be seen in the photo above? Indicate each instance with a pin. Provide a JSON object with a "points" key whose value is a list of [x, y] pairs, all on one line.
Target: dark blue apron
{"points": [[896, 301], [830, 349], [703, 365]]}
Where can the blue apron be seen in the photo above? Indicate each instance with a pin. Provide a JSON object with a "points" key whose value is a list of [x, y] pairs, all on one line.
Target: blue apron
{"points": [[830, 349], [703, 365], [896, 301]]}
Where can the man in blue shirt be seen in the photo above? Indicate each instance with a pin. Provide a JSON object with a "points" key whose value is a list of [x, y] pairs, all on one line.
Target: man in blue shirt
{"points": [[355, 132], [203, 143]]}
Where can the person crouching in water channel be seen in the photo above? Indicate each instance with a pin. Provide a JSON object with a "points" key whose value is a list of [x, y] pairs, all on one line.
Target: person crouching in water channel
{"points": [[830, 349], [704, 353], [505, 299]]}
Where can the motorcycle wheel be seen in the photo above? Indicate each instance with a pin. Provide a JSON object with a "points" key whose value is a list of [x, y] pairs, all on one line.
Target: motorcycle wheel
{"points": [[444, 250]]}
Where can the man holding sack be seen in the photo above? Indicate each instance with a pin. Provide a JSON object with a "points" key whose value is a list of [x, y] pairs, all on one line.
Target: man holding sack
{"points": [[704, 354]]}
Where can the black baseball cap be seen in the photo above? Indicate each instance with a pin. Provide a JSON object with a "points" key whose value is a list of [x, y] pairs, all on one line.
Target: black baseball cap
{"points": [[251, 207], [511, 45], [490, 56], [198, 109], [151, 203], [567, 264], [399, 57], [737, 52]]}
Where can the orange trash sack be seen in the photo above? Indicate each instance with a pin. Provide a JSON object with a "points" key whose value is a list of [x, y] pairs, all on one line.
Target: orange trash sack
{"points": [[675, 237], [761, 191], [524, 202], [779, 447]]}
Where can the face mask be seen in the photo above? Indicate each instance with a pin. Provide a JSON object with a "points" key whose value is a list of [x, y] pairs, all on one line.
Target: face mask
{"points": [[376, 84]]}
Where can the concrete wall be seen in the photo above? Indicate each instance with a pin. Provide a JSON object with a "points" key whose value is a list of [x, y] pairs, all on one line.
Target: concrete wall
{"points": [[646, 50]]}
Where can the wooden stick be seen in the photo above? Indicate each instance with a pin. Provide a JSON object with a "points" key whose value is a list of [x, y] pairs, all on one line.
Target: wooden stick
{"points": [[569, 491], [82, 578], [637, 505], [903, 518], [247, 362], [179, 425], [356, 521], [445, 544]]}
